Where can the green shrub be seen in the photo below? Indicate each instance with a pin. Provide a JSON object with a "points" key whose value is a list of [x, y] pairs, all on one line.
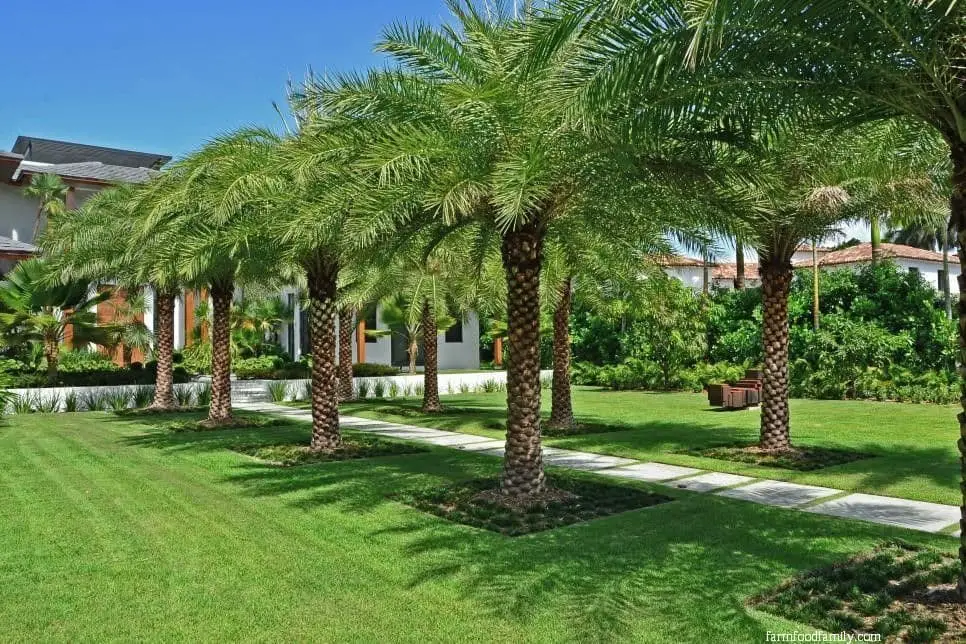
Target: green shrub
{"points": [[362, 389], [71, 402], [203, 394], [379, 388], [278, 390], [143, 396], [84, 361], [370, 370], [184, 395], [94, 399], [118, 399]]}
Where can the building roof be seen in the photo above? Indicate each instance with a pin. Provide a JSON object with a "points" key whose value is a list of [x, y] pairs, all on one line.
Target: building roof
{"points": [[862, 253], [729, 271], [14, 247], [807, 248], [90, 170], [65, 152], [678, 260]]}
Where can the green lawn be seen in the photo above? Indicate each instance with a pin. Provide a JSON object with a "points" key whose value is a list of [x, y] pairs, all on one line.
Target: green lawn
{"points": [[914, 445], [111, 529]]}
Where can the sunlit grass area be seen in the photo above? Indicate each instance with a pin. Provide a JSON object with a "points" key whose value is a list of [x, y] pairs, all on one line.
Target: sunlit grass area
{"points": [[120, 529]]}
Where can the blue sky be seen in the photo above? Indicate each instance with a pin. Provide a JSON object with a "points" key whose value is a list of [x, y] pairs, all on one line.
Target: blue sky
{"points": [[164, 76]]}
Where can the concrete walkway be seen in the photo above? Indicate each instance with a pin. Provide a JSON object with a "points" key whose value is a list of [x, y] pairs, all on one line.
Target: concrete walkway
{"points": [[915, 515]]}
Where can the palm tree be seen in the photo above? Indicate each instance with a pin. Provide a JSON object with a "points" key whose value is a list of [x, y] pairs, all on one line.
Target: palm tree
{"points": [[473, 124], [39, 309], [90, 244], [51, 193], [199, 213]]}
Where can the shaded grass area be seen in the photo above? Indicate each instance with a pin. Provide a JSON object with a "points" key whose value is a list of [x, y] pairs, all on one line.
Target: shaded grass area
{"points": [[803, 459], [360, 446], [114, 529], [913, 447], [474, 503], [885, 592]]}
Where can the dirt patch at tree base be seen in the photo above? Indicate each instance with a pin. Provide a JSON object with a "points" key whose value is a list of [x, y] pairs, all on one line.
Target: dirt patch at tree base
{"points": [[291, 455], [567, 500], [802, 459], [900, 591]]}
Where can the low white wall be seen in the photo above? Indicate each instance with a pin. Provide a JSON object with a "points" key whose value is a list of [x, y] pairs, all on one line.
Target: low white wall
{"points": [[258, 390], [405, 385], [48, 396]]}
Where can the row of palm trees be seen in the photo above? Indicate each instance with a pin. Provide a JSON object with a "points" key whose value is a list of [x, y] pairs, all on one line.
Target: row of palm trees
{"points": [[551, 145]]}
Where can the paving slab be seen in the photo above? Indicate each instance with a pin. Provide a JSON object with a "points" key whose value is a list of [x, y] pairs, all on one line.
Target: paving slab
{"points": [[584, 460], [412, 435], [454, 440], [710, 481], [650, 471], [778, 493], [918, 515], [482, 446]]}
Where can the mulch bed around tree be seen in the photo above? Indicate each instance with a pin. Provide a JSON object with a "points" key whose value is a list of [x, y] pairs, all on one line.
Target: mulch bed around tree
{"points": [[152, 411], [237, 422], [903, 592], [569, 500], [291, 455], [802, 459]]}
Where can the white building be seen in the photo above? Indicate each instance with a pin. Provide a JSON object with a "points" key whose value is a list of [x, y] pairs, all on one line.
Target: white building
{"points": [[927, 263]]}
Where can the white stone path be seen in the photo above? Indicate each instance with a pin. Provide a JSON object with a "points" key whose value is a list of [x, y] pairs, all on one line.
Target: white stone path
{"points": [[916, 515]]}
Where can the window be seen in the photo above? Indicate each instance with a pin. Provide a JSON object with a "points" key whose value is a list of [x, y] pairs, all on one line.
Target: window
{"points": [[454, 334], [371, 323], [913, 270]]}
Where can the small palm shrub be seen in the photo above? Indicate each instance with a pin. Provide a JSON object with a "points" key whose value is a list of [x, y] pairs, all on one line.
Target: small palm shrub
{"points": [[307, 390], [5, 399], [278, 390], [464, 388], [71, 403], [143, 396], [393, 389], [23, 404], [184, 395], [47, 404], [490, 386], [419, 390], [362, 389], [379, 389], [204, 395], [94, 399], [118, 399]]}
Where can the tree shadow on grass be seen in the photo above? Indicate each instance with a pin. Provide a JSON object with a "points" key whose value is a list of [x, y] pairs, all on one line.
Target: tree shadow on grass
{"points": [[687, 566]]}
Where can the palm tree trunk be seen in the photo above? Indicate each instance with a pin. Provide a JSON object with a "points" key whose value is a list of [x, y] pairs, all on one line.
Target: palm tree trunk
{"points": [[816, 320], [947, 298], [705, 276], [52, 355], [775, 284], [522, 252], [561, 407], [431, 402], [958, 219], [739, 266], [876, 236], [221, 296], [345, 353], [413, 351], [323, 275], [164, 350]]}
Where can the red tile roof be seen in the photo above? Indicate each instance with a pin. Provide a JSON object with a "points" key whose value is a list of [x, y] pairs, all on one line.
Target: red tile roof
{"points": [[730, 271], [678, 260], [862, 253]]}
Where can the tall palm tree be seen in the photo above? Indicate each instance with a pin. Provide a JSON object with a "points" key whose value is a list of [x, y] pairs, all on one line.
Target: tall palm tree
{"points": [[205, 225], [51, 193], [90, 244], [473, 122]]}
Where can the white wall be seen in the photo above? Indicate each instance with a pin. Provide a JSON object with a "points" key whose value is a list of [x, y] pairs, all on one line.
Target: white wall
{"points": [[452, 355], [930, 272], [17, 213], [691, 276]]}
